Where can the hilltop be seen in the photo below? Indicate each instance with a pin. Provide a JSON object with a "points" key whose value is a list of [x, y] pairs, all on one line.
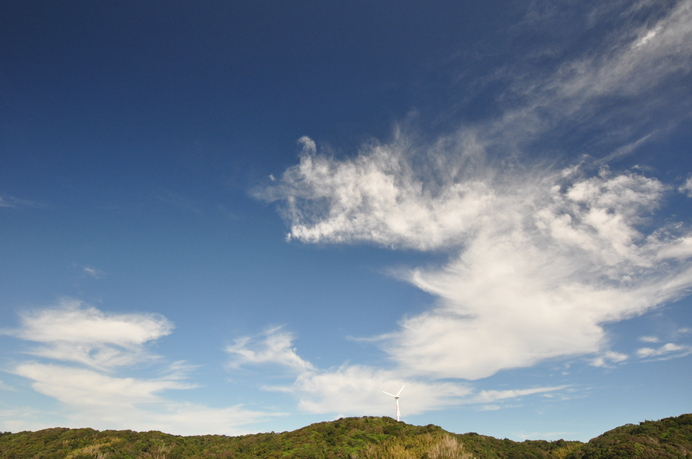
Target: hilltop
{"points": [[352, 438]]}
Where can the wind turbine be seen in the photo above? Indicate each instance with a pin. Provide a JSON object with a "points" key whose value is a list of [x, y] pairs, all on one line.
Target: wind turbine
{"points": [[396, 398]]}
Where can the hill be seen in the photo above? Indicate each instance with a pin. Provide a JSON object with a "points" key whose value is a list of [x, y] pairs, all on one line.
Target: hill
{"points": [[664, 439], [352, 438]]}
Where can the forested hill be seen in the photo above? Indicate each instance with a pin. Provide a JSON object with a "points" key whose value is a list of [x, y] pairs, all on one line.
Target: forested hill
{"points": [[363, 438]]}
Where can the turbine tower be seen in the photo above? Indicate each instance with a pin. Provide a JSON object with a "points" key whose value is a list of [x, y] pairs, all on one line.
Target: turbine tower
{"points": [[396, 398]]}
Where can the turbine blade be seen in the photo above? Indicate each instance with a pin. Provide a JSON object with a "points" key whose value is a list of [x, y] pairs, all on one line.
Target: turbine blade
{"points": [[390, 394], [402, 388]]}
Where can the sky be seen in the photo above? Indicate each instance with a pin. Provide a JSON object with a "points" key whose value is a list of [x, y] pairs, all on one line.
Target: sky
{"points": [[237, 217]]}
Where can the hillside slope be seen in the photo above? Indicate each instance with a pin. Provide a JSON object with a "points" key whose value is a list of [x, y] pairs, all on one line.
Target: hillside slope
{"points": [[665, 439], [362, 438]]}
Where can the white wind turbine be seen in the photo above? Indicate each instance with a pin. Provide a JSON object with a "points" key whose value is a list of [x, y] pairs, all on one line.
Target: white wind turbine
{"points": [[396, 398]]}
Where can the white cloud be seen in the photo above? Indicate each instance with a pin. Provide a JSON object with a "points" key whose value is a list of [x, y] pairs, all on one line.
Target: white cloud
{"points": [[73, 331], [73, 321], [13, 202], [358, 389], [350, 389], [540, 259], [490, 408], [26, 418], [5, 386], [669, 350], [608, 358], [489, 396], [88, 388], [679, 249], [308, 145], [107, 402], [377, 197], [686, 188], [646, 82], [92, 272], [273, 346], [649, 339], [179, 201], [628, 66], [626, 150], [94, 394], [650, 34], [544, 258]]}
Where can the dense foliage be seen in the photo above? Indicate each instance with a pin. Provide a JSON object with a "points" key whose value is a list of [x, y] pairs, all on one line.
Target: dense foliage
{"points": [[352, 438], [664, 439]]}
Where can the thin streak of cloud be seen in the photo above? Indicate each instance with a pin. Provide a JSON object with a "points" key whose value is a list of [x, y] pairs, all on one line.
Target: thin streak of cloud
{"points": [[179, 201], [490, 408], [625, 150], [649, 339], [5, 386], [93, 272], [12, 202], [489, 396]]}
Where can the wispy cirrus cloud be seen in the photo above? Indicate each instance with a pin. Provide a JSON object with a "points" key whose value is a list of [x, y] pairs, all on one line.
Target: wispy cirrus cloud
{"points": [[92, 272], [271, 347], [649, 339], [540, 257], [9, 201], [179, 201], [489, 396], [5, 386], [629, 79]]}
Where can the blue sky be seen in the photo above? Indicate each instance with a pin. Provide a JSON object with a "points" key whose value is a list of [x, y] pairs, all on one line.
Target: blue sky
{"points": [[235, 217]]}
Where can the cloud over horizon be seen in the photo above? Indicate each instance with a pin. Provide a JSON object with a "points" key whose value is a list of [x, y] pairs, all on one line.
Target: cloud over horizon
{"points": [[353, 389], [89, 352]]}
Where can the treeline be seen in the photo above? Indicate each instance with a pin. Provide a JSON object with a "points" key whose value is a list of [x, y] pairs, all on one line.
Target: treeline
{"points": [[351, 438], [669, 438]]}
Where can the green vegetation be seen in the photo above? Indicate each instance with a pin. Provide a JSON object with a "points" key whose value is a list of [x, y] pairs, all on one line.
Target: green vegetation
{"points": [[351, 438], [664, 439]]}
